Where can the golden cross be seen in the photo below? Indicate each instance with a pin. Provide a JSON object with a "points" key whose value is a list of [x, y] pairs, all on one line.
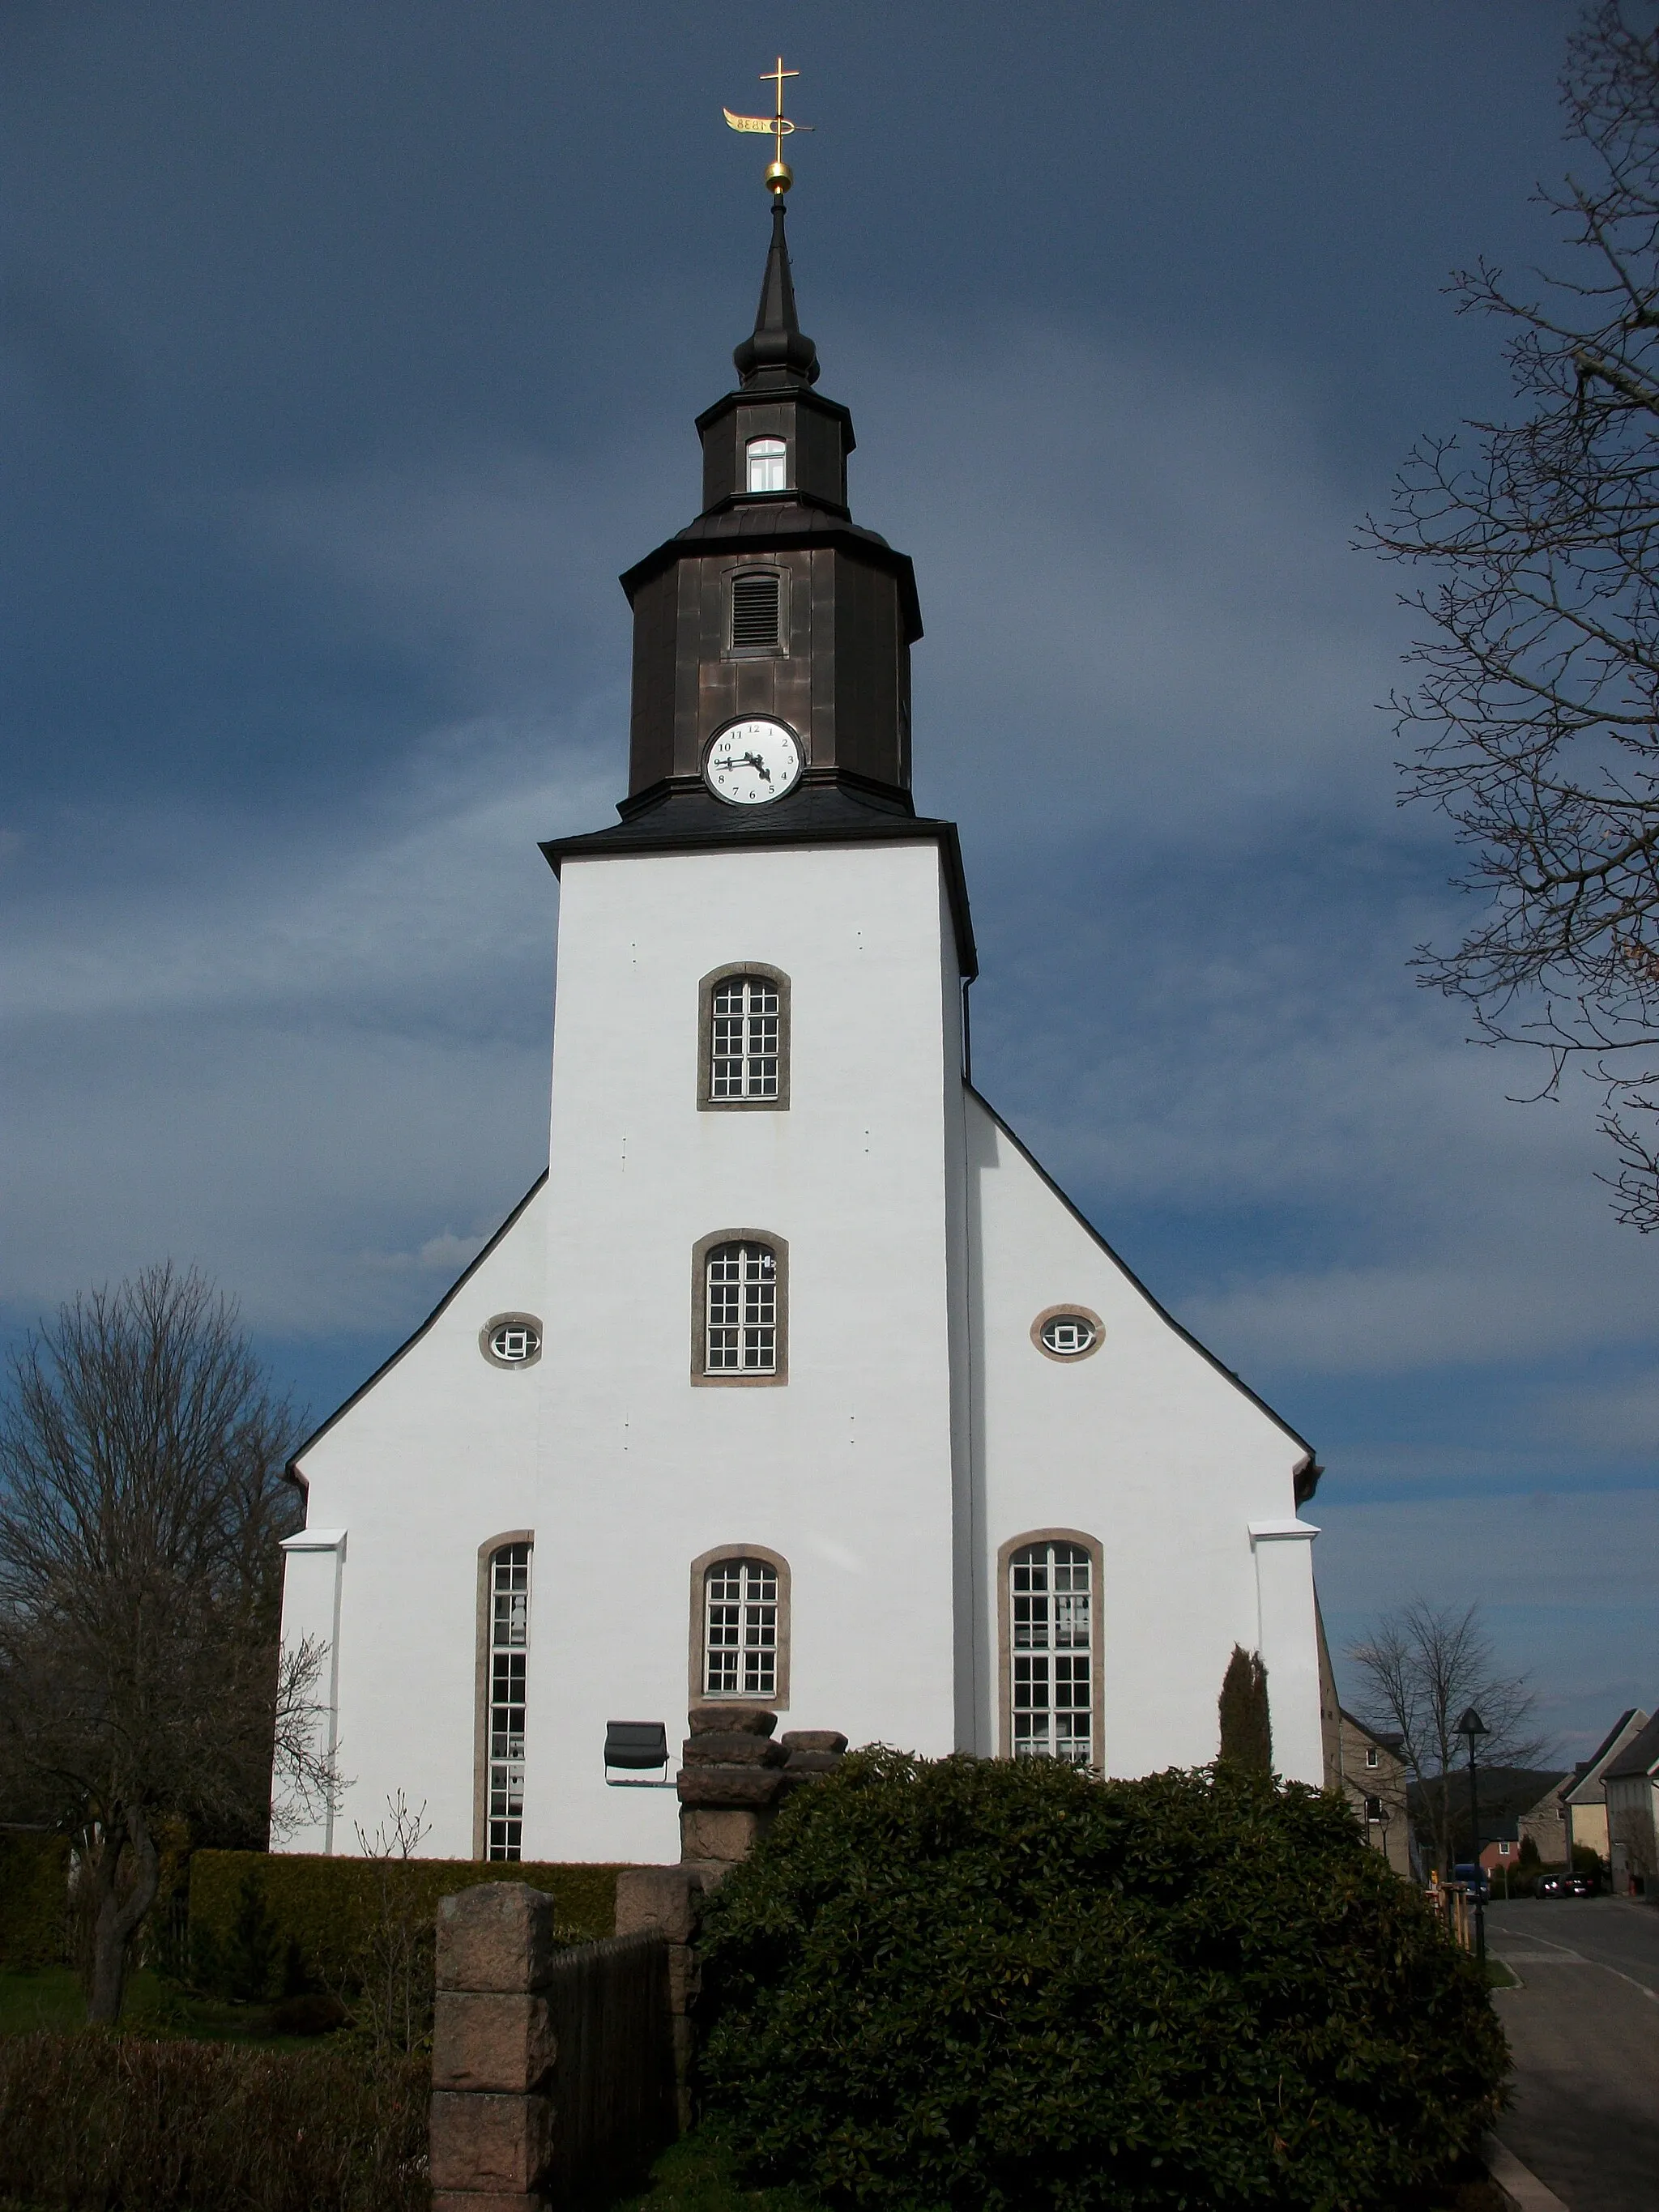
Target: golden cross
{"points": [[777, 127]]}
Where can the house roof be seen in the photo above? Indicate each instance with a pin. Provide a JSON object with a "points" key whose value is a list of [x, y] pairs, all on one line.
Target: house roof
{"points": [[1585, 1788], [1395, 1744], [1639, 1757]]}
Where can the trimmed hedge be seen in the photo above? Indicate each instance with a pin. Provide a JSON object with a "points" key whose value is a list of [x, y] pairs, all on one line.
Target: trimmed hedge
{"points": [[119, 2124], [996, 1985], [268, 1923], [34, 1899]]}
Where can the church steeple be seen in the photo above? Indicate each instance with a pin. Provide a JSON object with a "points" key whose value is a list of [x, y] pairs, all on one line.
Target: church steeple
{"points": [[774, 603], [772, 634], [778, 354]]}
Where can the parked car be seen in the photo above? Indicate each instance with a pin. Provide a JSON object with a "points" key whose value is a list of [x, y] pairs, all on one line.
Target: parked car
{"points": [[1565, 1884], [1475, 1880]]}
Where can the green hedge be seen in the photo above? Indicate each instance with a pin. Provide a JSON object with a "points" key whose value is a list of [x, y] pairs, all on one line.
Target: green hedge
{"points": [[102, 2122], [988, 1985], [33, 1898], [265, 1922]]}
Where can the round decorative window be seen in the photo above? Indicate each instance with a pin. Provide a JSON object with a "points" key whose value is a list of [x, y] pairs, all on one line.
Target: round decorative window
{"points": [[1068, 1332], [512, 1339]]}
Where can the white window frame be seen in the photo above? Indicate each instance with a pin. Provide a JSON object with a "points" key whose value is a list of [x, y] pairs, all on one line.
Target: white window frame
{"points": [[740, 1308], [740, 1629], [506, 1689], [1050, 1647], [746, 1017], [766, 464]]}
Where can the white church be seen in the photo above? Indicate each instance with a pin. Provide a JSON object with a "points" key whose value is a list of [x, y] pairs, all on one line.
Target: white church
{"points": [[795, 1379]]}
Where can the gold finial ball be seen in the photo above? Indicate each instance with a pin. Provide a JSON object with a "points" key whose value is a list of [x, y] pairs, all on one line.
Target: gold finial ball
{"points": [[779, 176]]}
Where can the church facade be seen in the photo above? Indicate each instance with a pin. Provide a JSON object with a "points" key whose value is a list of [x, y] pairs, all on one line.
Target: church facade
{"points": [[795, 1379]]}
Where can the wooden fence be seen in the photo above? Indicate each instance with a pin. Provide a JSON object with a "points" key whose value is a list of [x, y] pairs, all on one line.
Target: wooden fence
{"points": [[613, 2076]]}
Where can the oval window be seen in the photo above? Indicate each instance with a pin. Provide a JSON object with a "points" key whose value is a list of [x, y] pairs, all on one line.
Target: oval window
{"points": [[1068, 1332], [512, 1340]]}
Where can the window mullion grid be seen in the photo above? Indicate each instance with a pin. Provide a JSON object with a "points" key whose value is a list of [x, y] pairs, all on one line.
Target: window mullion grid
{"points": [[510, 1640]]}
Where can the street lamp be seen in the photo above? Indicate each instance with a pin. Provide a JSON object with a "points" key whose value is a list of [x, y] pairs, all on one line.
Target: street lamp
{"points": [[1472, 1725]]}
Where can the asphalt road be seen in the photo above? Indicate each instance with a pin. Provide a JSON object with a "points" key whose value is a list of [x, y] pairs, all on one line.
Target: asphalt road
{"points": [[1584, 2028]]}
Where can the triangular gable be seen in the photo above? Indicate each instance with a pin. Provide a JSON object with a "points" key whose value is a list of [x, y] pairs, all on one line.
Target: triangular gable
{"points": [[1306, 1476], [292, 1470]]}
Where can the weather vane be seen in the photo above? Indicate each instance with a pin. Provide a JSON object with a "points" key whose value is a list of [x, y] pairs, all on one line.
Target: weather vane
{"points": [[778, 174]]}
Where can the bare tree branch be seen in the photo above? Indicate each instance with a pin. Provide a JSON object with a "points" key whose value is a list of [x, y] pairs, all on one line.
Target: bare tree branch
{"points": [[1419, 1669], [1535, 722], [140, 1513]]}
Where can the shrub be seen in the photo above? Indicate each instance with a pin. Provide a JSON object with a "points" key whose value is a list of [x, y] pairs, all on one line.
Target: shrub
{"points": [[993, 1985], [34, 1899], [127, 2125], [1245, 1729], [265, 1923]]}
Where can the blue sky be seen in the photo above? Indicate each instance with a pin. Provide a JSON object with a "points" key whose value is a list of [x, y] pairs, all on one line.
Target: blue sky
{"points": [[348, 354]]}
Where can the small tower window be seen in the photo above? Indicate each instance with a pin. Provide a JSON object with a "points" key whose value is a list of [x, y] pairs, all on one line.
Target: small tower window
{"points": [[767, 459], [757, 610]]}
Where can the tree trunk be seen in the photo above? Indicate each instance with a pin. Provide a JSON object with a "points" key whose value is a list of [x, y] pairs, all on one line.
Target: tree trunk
{"points": [[115, 1924]]}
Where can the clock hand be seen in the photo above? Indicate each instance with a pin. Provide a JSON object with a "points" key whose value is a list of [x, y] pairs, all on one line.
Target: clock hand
{"points": [[754, 761]]}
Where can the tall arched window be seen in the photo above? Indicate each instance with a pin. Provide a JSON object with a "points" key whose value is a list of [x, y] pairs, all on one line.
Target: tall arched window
{"points": [[1050, 1650], [509, 1649], [740, 1625], [768, 459], [742, 1053]]}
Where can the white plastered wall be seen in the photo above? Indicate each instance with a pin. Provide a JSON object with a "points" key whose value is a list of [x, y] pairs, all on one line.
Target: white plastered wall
{"points": [[436, 1457], [1147, 1447], [846, 1469]]}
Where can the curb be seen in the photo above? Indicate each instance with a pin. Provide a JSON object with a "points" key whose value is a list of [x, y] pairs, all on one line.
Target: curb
{"points": [[1525, 2192]]}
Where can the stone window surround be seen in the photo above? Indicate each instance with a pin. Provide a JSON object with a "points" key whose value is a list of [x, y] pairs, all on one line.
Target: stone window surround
{"points": [[1057, 1313], [1096, 1635], [734, 1378], [487, 1552], [706, 1103], [700, 1566], [500, 1321]]}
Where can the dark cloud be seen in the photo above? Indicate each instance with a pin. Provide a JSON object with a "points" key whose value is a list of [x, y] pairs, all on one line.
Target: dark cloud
{"points": [[347, 355]]}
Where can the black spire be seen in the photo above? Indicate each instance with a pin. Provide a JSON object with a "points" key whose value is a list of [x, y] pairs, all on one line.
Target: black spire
{"points": [[778, 355]]}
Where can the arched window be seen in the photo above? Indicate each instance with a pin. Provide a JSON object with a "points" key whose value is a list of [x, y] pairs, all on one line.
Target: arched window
{"points": [[1050, 1648], [742, 1053], [507, 1640], [768, 458], [740, 1285], [740, 1625], [740, 1633]]}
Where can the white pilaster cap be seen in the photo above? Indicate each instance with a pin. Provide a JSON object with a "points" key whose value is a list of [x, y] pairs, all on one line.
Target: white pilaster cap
{"points": [[316, 1539]]}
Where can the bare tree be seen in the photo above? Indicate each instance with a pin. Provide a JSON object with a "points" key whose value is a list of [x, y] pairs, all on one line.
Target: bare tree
{"points": [[141, 1510], [1537, 722], [1420, 1669]]}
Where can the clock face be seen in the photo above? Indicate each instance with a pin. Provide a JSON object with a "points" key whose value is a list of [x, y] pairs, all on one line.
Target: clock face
{"points": [[753, 762]]}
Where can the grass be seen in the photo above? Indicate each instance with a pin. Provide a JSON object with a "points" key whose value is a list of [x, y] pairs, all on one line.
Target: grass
{"points": [[698, 2174], [1499, 1977], [50, 1998]]}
